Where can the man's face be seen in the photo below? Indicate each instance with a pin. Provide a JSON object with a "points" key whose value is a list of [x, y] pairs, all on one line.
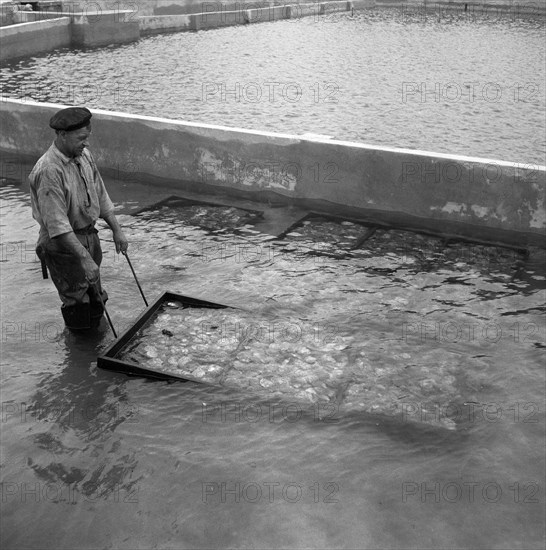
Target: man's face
{"points": [[76, 141]]}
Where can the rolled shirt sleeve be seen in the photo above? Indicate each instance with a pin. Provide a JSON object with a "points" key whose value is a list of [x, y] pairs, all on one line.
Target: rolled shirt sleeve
{"points": [[51, 203]]}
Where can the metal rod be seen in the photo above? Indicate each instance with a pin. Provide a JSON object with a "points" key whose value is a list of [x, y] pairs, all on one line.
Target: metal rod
{"points": [[136, 280], [99, 295]]}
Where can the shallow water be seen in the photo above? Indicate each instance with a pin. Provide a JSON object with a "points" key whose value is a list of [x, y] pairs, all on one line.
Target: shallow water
{"points": [[96, 459], [457, 83], [309, 358]]}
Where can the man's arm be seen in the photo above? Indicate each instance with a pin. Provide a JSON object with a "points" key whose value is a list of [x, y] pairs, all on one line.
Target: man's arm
{"points": [[106, 206], [119, 236]]}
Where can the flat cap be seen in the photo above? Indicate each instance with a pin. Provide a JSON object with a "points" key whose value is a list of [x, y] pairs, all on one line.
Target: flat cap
{"points": [[72, 118]]}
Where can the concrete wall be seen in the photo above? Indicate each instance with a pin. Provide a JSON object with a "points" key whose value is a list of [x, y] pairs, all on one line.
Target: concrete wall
{"points": [[104, 27], [27, 39], [174, 7], [108, 27], [154, 24], [7, 12], [500, 8], [118, 26], [180, 7], [41, 31], [210, 20], [451, 194]]}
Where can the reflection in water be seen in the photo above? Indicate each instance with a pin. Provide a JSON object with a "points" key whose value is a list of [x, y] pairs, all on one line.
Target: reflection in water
{"points": [[82, 412]]}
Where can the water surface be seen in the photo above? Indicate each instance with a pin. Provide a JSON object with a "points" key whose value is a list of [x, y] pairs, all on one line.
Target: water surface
{"points": [[459, 83], [94, 459], [129, 463]]}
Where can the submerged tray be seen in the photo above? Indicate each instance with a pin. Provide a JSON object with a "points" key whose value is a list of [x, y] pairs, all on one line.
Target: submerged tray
{"points": [[310, 216], [301, 371], [370, 226], [109, 359], [176, 201], [207, 215]]}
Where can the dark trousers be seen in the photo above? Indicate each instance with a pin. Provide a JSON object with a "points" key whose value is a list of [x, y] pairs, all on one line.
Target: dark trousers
{"points": [[81, 306]]}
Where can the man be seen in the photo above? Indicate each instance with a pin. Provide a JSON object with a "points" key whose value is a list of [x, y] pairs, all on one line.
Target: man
{"points": [[68, 196]]}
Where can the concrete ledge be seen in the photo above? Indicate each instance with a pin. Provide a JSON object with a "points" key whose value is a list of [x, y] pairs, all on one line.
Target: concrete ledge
{"points": [[104, 27], [482, 198], [502, 8], [88, 16], [78, 29], [214, 20], [210, 6], [27, 39], [269, 15], [107, 27], [155, 24], [179, 7], [225, 18]]}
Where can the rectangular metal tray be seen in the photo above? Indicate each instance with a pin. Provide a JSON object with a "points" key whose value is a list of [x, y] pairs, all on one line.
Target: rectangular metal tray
{"points": [[108, 358], [373, 225], [175, 201]]}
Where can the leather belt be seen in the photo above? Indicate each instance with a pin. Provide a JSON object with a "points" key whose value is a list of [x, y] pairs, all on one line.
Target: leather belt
{"points": [[90, 229]]}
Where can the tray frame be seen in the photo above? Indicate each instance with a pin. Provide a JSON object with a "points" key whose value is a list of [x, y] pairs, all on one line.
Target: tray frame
{"points": [[448, 238], [108, 361], [191, 202]]}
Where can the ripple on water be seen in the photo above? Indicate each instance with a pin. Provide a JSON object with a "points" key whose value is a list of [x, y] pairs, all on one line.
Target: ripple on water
{"points": [[151, 445], [351, 77], [385, 328]]}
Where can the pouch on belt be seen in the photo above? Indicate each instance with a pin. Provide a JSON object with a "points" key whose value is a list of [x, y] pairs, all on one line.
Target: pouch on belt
{"points": [[40, 254]]}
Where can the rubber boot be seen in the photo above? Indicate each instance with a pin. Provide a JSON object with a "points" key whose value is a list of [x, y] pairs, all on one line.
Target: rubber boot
{"points": [[97, 313], [96, 308], [77, 317]]}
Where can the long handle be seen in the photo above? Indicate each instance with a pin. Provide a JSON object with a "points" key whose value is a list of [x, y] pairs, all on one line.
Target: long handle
{"points": [[97, 292], [136, 280]]}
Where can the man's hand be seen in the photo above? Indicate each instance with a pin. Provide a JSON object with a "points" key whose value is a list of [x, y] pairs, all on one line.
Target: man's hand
{"points": [[121, 241], [91, 271], [70, 243], [119, 238]]}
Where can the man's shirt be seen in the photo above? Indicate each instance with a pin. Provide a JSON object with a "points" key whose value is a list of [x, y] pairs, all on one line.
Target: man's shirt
{"points": [[67, 193]]}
